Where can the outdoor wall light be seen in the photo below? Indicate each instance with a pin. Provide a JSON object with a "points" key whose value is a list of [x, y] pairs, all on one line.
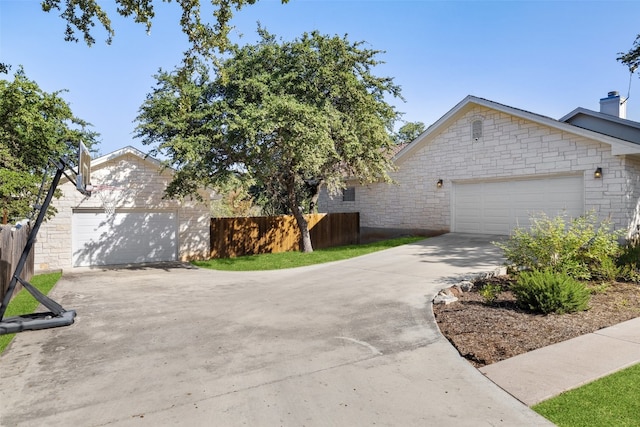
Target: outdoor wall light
{"points": [[439, 183], [598, 173]]}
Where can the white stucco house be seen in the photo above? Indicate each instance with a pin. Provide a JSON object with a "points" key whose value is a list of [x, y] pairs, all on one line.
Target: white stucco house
{"points": [[485, 167], [145, 227]]}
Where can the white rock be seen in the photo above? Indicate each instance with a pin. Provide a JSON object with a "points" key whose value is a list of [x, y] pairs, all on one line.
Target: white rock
{"points": [[444, 299], [466, 286]]}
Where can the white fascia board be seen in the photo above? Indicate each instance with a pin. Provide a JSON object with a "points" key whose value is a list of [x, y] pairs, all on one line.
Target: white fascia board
{"points": [[618, 146], [121, 152], [572, 114], [602, 116], [95, 163], [621, 148], [438, 124]]}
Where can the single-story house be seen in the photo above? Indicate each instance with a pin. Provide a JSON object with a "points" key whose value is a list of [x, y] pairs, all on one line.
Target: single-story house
{"points": [[485, 167], [145, 227]]}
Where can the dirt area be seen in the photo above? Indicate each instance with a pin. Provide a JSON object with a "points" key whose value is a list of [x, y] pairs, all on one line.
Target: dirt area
{"points": [[488, 333]]}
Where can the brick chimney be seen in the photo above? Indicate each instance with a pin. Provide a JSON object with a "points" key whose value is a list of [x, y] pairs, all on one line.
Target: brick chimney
{"points": [[614, 105]]}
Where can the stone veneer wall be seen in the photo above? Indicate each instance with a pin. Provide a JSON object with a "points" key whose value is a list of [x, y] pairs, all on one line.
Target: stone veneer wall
{"points": [[510, 147], [53, 246], [631, 194]]}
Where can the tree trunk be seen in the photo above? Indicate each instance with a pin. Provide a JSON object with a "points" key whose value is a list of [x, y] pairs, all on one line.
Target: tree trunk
{"points": [[296, 210], [303, 225], [315, 194]]}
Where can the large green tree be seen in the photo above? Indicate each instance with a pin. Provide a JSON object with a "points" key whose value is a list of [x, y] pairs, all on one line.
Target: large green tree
{"points": [[82, 16], [34, 127], [234, 199], [408, 132], [293, 116]]}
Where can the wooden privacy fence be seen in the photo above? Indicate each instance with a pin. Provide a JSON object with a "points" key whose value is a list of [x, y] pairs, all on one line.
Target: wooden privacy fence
{"points": [[232, 237], [12, 243]]}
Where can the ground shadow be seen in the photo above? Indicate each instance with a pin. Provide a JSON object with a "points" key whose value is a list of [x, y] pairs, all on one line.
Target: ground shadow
{"points": [[462, 249], [126, 238]]}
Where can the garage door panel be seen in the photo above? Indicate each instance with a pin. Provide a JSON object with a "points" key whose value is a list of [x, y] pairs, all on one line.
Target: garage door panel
{"points": [[524, 213], [496, 212], [493, 198], [469, 197], [522, 198], [494, 229], [499, 207], [122, 238]]}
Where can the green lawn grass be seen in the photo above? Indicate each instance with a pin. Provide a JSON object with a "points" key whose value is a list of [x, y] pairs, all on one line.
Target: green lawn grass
{"points": [[298, 259], [25, 303], [609, 401]]}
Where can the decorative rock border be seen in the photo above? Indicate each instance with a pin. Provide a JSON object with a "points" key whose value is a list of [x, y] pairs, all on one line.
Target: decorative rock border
{"points": [[450, 295]]}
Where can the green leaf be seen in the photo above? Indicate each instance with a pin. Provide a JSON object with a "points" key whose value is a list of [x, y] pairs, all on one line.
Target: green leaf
{"points": [[288, 116], [34, 127]]}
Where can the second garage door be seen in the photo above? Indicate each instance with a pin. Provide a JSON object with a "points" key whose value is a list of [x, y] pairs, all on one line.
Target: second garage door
{"points": [[124, 238], [499, 207]]}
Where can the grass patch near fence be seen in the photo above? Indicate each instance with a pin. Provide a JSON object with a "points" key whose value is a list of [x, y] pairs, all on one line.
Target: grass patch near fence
{"points": [[283, 260], [25, 303], [609, 401]]}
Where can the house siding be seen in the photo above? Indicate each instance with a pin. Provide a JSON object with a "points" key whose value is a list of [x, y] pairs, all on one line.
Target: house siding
{"points": [[147, 183], [510, 148], [631, 195]]}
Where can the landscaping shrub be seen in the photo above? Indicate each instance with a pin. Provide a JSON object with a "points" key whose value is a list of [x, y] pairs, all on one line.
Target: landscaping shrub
{"points": [[550, 292], [628, 261], [580, 247], [628, 273], [606, 270], [490, 292]]}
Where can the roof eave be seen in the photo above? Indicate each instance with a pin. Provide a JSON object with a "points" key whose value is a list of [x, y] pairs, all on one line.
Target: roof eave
{"points": [[601, 116], [124, 151], [618, 147]]}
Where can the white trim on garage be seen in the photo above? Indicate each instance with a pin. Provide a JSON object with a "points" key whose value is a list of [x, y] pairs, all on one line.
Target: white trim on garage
{"points": [[497, 207], [127, 237]]}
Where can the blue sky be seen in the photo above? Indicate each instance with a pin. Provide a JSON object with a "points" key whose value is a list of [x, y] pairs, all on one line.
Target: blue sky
{"points": [[547, 57]]}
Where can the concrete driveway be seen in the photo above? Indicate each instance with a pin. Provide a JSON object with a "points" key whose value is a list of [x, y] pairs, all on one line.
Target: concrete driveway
{"points": [[350, 343]]}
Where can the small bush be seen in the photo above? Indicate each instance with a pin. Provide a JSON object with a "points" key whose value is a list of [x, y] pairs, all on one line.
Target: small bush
{"points": [[579, 247], [628, 261], [602, 288], [628, 273], [630, 253], [607, 270], [550, 292], [490, 292]]}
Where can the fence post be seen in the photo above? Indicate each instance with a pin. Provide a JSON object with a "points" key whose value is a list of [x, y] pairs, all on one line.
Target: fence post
{"points": [[12, 243]]}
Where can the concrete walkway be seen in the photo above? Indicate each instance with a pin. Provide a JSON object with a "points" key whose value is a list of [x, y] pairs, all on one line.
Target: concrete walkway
{"points": [[351, 343], [544, 373]]}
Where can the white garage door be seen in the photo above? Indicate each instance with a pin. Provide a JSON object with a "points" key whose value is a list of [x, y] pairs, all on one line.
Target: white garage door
{"points": [[499, 207], [123, 238]]}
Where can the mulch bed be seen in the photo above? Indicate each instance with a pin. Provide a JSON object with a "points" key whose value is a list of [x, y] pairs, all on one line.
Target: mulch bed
{"points": [[488, 333]]}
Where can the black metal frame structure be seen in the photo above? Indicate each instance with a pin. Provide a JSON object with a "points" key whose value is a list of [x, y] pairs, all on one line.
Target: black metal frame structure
{"points": [[57, 316]]}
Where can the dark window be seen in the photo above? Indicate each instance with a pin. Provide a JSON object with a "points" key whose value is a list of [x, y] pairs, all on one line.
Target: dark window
{"points": [[349, 194]]}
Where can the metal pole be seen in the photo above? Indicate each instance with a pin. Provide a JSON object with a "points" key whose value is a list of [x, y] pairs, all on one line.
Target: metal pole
{"points": [[32, 238]]}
